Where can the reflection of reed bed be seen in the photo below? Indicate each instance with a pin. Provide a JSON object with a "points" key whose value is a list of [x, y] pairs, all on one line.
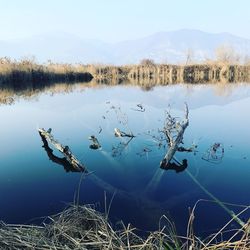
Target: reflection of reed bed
{"points": [[83, 227], [61, 87], [27, 79], [8, 95]]}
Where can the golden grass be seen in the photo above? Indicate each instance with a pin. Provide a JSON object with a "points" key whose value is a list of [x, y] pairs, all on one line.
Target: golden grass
{"points": [[162, 74], [27, 70], [82, 227], [145, 74]]}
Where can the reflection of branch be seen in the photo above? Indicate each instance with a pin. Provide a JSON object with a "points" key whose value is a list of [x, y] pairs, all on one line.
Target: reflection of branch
{"points": [[144, 152], [117, 151], [158, 139], [214, 154], [189, 150], [174, 166], [68, 156], [140, 108], [122, 118]]}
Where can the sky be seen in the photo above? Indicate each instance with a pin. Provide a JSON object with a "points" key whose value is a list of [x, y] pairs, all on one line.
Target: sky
{"points": [[117, 20]]}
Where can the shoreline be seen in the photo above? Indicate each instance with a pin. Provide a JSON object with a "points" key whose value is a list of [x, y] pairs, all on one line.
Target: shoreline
{"points": [[83, 227], [148, 73]]}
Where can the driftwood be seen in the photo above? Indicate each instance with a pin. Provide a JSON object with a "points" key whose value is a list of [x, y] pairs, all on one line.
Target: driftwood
{"points": [[95, 143], [69, 157], [174, 140], [139, 108], [59, 160], [119, 133]]}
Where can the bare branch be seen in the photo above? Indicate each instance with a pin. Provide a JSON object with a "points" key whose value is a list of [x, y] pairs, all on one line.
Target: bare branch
{"points": [[179, 129]]}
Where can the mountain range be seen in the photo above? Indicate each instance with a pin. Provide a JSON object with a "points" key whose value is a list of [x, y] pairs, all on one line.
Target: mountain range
{"points": [[162, 47]]}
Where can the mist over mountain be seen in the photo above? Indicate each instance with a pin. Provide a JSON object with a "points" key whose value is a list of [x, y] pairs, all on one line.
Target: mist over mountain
{"points": [[162, 47]]}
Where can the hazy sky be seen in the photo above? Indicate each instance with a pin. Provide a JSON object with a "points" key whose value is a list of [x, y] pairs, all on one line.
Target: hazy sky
{"points": [[115, 20]]}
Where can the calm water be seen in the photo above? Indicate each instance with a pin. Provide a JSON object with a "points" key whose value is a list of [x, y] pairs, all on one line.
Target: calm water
{"points": [[32, 185]]}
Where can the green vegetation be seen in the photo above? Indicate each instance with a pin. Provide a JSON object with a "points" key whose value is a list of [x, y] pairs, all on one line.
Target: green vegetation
{"points": [[82, 227]]}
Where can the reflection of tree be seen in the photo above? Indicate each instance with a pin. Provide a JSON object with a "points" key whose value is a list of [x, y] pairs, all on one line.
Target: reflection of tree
{"points": [[121, 117], [215, 153], [174, 165], [144, 152], [120, 147], [59, 160], [139, 108]]}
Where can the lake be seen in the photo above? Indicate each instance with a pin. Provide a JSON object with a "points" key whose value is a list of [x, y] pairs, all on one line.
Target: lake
{"points": [[125, 173]]}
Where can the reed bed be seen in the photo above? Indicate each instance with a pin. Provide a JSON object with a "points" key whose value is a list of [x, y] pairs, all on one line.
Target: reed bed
{"points": [[82, 227], [14, 73], [27, 72], [163, 74]]}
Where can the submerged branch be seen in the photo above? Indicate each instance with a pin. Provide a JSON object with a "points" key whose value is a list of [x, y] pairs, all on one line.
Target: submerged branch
{"points": [[174, 142], [75, 163], [59, 160], [119, 133], [95, 143]]}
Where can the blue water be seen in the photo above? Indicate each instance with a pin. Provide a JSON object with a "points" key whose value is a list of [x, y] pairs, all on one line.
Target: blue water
{"points": [[32, 186]]}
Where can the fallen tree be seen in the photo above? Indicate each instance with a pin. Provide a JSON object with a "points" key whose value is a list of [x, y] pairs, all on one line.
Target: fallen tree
{"points": [[59, 160], [174, 132], [69, 157]]}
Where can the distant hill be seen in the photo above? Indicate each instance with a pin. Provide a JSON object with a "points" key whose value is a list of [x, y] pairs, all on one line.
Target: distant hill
{"points": [[170, 47]]}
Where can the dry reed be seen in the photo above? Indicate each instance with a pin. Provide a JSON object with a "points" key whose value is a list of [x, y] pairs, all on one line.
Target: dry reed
{"points": [[82, 227]]}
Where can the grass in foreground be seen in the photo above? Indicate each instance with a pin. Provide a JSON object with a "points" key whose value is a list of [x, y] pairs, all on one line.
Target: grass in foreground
{"points": [[82, 227]]}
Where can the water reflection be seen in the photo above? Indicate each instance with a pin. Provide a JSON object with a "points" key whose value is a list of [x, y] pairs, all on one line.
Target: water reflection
{"points": [[143, 190], [215, 153], [174, 166], [9, 95], [119, 149]]}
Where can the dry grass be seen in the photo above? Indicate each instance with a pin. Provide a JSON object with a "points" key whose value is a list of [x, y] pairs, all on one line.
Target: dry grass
{"points": [[20, 73], [28, 71], [239, 238], [82, 227], [161, 74], [78, 227]]}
